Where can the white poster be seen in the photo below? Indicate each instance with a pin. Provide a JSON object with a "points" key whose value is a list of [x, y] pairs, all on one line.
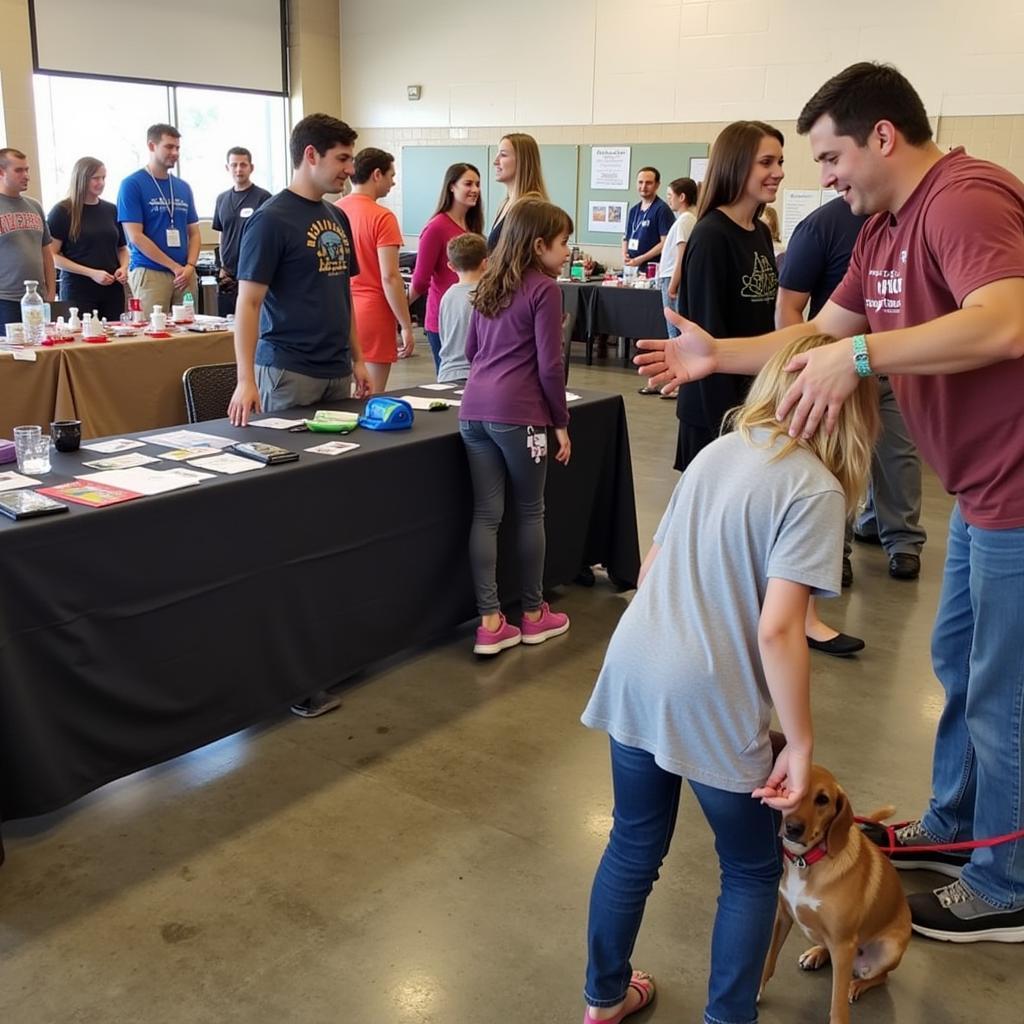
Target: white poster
{"points": [[607, 217], [827, 195], [609, 167], [796, 204], [698, 168]]}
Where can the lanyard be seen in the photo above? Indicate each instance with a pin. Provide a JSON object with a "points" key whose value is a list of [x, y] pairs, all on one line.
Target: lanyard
{"points": [[168, 206], [634, 231]]}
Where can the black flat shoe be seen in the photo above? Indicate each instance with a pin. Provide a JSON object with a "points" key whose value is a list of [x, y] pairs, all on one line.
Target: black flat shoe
{"points": [[840, 646], [867, 538], [904, 566]]}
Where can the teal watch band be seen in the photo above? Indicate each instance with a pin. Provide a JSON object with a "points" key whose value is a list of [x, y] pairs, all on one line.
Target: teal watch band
{"points": [[861, 362]]}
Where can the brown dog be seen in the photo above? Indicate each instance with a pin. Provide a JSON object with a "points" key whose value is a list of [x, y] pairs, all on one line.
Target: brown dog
{"points": [[843, 892]]}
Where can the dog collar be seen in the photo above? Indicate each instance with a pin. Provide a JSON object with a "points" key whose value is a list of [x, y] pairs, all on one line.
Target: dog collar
{"points": [[805, 860]]}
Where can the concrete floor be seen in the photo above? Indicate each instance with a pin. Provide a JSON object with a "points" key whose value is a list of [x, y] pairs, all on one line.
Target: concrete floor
{"points": [[425, 853]]}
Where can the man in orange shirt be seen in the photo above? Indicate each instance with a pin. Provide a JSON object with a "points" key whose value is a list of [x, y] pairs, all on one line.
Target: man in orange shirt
{"points": [[378, 293]]}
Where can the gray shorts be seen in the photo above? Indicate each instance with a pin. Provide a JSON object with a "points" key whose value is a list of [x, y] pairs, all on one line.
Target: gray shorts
{"points": [[282, 389]]}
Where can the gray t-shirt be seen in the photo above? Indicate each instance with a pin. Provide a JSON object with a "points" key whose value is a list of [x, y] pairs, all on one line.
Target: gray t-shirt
{"points": [[682, 677], [453, 325], [23, 233]]}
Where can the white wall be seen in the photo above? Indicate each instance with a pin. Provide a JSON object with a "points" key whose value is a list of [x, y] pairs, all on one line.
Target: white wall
{"points": [[582, 62]]}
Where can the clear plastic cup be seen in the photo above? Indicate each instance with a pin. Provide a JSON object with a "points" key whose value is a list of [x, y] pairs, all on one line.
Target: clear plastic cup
{"points": [[32, 448]]}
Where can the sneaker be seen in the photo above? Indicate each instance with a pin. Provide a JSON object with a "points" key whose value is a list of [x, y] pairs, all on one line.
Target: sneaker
{"points": [[548, 625], [494, 641], [319, 704], [955, 914], [913, 834]]}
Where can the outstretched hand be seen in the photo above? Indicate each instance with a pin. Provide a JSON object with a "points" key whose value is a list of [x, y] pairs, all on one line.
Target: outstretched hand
{"points": [[787, 784], [670, 363]]}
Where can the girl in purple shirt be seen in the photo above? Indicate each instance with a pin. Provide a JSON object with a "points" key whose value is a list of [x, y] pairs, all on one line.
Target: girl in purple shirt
{"points": [[515, 391]]}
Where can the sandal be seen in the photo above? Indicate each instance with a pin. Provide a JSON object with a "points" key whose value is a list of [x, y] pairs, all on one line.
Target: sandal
{"points": [[643, 983]]}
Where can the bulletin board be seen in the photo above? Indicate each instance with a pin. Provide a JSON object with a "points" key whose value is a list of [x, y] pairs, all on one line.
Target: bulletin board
{"points": [[672, 160]]}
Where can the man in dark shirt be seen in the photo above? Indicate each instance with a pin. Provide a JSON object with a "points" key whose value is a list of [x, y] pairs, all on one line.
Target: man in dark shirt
{"points": [[816, 260], [295, 333], [647, 223], [231, 213]]}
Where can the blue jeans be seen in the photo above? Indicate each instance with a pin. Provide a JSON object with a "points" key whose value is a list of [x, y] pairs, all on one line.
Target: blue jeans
{"points": [[750, 859], [977, 654], [496, 452], [673, 331], [434, 341]]}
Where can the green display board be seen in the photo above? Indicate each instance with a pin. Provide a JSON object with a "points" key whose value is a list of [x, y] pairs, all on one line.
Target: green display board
{"points": [[421, 176], [673, 161]]}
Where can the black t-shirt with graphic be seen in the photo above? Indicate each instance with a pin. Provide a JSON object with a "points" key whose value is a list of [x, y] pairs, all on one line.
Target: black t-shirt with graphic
{"points": [[302, 250], [729, 286], [230, 215], [99, 238]]}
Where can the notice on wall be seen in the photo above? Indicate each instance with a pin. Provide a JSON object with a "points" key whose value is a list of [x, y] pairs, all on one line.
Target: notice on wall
{"points": [[607, 217], [827, 195], [797, 203], [698, 168], [609, 167]]}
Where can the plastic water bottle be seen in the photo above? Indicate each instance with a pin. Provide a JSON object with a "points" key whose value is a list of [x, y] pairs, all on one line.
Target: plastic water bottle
{"points": [[190, 306], [33, 316]]}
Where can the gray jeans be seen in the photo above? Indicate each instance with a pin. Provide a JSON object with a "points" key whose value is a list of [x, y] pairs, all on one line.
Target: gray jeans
{"points": [[282, 389], [496, 452], [893, 508]]}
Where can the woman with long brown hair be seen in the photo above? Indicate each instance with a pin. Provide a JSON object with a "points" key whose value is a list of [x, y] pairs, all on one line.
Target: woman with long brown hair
{"points": [[517, 167], [459, 210], [89, 246]]}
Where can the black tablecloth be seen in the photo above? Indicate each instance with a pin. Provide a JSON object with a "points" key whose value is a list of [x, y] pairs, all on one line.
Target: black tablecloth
{"points": [[134, 633], [618, 312]]}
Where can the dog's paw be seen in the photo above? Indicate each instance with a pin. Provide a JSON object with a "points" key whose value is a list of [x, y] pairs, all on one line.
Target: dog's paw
{"points": [[813, 959]]}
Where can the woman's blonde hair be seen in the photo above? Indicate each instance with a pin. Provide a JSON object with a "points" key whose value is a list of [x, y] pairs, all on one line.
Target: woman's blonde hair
{"points": [[78, 191], [846, 452], [516, 252], [529, 179]]}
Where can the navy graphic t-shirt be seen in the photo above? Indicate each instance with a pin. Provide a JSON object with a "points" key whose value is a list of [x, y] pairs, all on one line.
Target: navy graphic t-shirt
{"points": [[302, 250]]}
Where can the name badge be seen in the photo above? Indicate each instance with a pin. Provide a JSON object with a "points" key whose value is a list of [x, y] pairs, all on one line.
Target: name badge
{"points": [[536, 443], [245, 211], [173, 238], [634, 245]]}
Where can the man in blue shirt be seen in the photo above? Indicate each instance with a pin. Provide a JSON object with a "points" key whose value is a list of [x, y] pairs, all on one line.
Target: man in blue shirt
{"points": [[161, 224], [816, 261], [648, 222]]}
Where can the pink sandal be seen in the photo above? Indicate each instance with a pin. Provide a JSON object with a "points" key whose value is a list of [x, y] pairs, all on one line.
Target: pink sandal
{"points": [[643, 983]]}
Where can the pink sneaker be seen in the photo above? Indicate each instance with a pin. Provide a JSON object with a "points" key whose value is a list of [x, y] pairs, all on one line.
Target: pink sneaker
{"points": [[494, 641], [548, 625]]}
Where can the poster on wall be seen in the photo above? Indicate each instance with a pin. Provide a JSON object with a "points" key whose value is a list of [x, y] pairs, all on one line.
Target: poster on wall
{"points": [[698, 168], [796, 204], [607, 217], [609, 167]]}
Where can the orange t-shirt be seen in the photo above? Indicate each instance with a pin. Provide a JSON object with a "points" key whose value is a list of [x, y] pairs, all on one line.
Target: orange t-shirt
{"points": [[373, 226]]}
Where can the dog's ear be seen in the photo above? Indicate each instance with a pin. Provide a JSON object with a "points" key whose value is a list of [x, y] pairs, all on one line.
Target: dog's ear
{"points": [[839, 831]]}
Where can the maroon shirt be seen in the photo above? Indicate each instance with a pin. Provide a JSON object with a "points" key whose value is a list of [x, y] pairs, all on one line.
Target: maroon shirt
{"points": [[962, 228], [516, 373]]}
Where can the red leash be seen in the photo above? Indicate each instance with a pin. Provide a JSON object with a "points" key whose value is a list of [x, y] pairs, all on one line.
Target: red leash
{"points": [[970, 844]]}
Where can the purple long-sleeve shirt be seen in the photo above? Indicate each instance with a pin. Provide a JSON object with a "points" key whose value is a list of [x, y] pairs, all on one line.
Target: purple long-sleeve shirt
{"points": [[516, 373]]}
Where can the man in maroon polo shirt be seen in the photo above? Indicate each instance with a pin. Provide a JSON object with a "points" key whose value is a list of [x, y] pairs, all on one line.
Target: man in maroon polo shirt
{"points": [[934, 298]]}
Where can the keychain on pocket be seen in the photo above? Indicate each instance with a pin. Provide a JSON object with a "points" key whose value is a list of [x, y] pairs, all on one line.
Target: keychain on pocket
{"points": [[537, 443]]}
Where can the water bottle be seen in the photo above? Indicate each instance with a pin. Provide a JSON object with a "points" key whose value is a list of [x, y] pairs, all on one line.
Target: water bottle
{"points": [[190, 306], [33, 316]]}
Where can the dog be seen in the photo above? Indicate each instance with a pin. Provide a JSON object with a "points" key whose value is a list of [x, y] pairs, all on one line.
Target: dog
{"points": [[843, 893]]}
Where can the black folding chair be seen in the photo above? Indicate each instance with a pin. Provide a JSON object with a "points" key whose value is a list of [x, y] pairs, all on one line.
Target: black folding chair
{"points": [[208, 390]]}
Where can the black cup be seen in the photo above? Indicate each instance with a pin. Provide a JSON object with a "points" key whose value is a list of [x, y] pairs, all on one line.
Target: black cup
{"points": [[66, 434]]}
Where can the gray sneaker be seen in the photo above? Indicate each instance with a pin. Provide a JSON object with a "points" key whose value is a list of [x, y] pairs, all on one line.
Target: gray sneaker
{"points": [[956, 914], [913, 834], [319, 704]]}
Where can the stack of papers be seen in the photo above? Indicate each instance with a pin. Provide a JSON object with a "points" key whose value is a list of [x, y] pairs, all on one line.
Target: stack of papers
{"points": [[188, 439], [13, 481], [117, 444], [148, 481], [227, 463]]}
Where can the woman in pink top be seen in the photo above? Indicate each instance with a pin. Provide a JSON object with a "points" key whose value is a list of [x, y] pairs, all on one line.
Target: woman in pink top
{"points": [[458, 210]]}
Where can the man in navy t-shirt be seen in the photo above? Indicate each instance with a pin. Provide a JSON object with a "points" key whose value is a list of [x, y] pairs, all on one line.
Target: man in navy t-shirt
{"points": [[295, 335], [648, 222], [816, 261], [160, 222]]}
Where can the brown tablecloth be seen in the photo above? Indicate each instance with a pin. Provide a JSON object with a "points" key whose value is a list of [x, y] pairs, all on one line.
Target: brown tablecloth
{"points": [[114, 388]]}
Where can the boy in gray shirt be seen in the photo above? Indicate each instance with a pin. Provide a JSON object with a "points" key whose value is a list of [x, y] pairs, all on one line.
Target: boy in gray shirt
{"points": [[467, 256]]}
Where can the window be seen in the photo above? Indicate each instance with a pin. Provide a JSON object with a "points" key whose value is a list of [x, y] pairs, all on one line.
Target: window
{"points": [[79, 117]]}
